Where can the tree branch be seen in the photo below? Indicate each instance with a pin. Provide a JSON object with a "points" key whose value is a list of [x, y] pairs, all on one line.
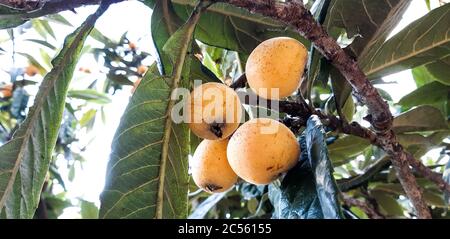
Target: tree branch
{"points": [[362, 179], [295, 15]]}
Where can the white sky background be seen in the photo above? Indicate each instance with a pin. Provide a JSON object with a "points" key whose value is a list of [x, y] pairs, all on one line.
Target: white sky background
{"points": [[134, 17]]}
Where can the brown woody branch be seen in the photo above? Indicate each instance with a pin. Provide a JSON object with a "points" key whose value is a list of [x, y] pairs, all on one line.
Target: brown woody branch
{"points": [[295, 15]]}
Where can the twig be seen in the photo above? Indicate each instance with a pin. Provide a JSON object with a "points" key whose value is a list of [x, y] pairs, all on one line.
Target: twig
{"points": [[359, 180]]}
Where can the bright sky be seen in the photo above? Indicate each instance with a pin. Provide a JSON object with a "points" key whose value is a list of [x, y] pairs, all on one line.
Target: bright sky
{"points": [[133, 17]]}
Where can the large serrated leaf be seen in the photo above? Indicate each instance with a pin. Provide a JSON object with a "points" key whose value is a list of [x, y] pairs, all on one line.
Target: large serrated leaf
{"points": [[25, 159], [6, 21], [147, 175], [326, 186], [370, 23], [424, 41], [309, 190]]}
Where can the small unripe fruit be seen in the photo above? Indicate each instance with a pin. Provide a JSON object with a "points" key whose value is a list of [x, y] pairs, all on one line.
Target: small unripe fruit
{"points": [[261, 150], [85, 70], [213, 111], [31, 70], [6, 91], [278, 64], [132, 45], [210, 168], [142, 69]]}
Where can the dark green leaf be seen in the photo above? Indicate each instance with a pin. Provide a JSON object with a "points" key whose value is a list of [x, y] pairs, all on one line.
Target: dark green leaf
{"points": [[431, 93], [7, 18], [346, 148], [296, 198], [388, 204], [88, 210], [422, 118], [439, 70], [370, 22], [327, 190], [423, 41], [308, 191]]}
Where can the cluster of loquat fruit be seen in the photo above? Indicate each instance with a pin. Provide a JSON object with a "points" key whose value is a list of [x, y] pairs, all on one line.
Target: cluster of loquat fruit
{"points": [[261, 149]]}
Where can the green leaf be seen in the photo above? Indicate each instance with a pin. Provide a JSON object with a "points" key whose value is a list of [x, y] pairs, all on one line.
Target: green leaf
{"points": [[232, 28], [422, 76], [428, 94], [439, 70], [90, 95], [342, 92], [97, 35], [88, 118], [433, 140], [25, 159], [370, 23], [201, 72], [6, 21], [46, 58], [48, 28], [164, 23], [326, 186], [41, 42], [34, 62], [423, 41], [388, 204], [346, 148], [88, 210], [309, 190], [420, 119], [296, 198], [147, 175], [58, 18]]}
